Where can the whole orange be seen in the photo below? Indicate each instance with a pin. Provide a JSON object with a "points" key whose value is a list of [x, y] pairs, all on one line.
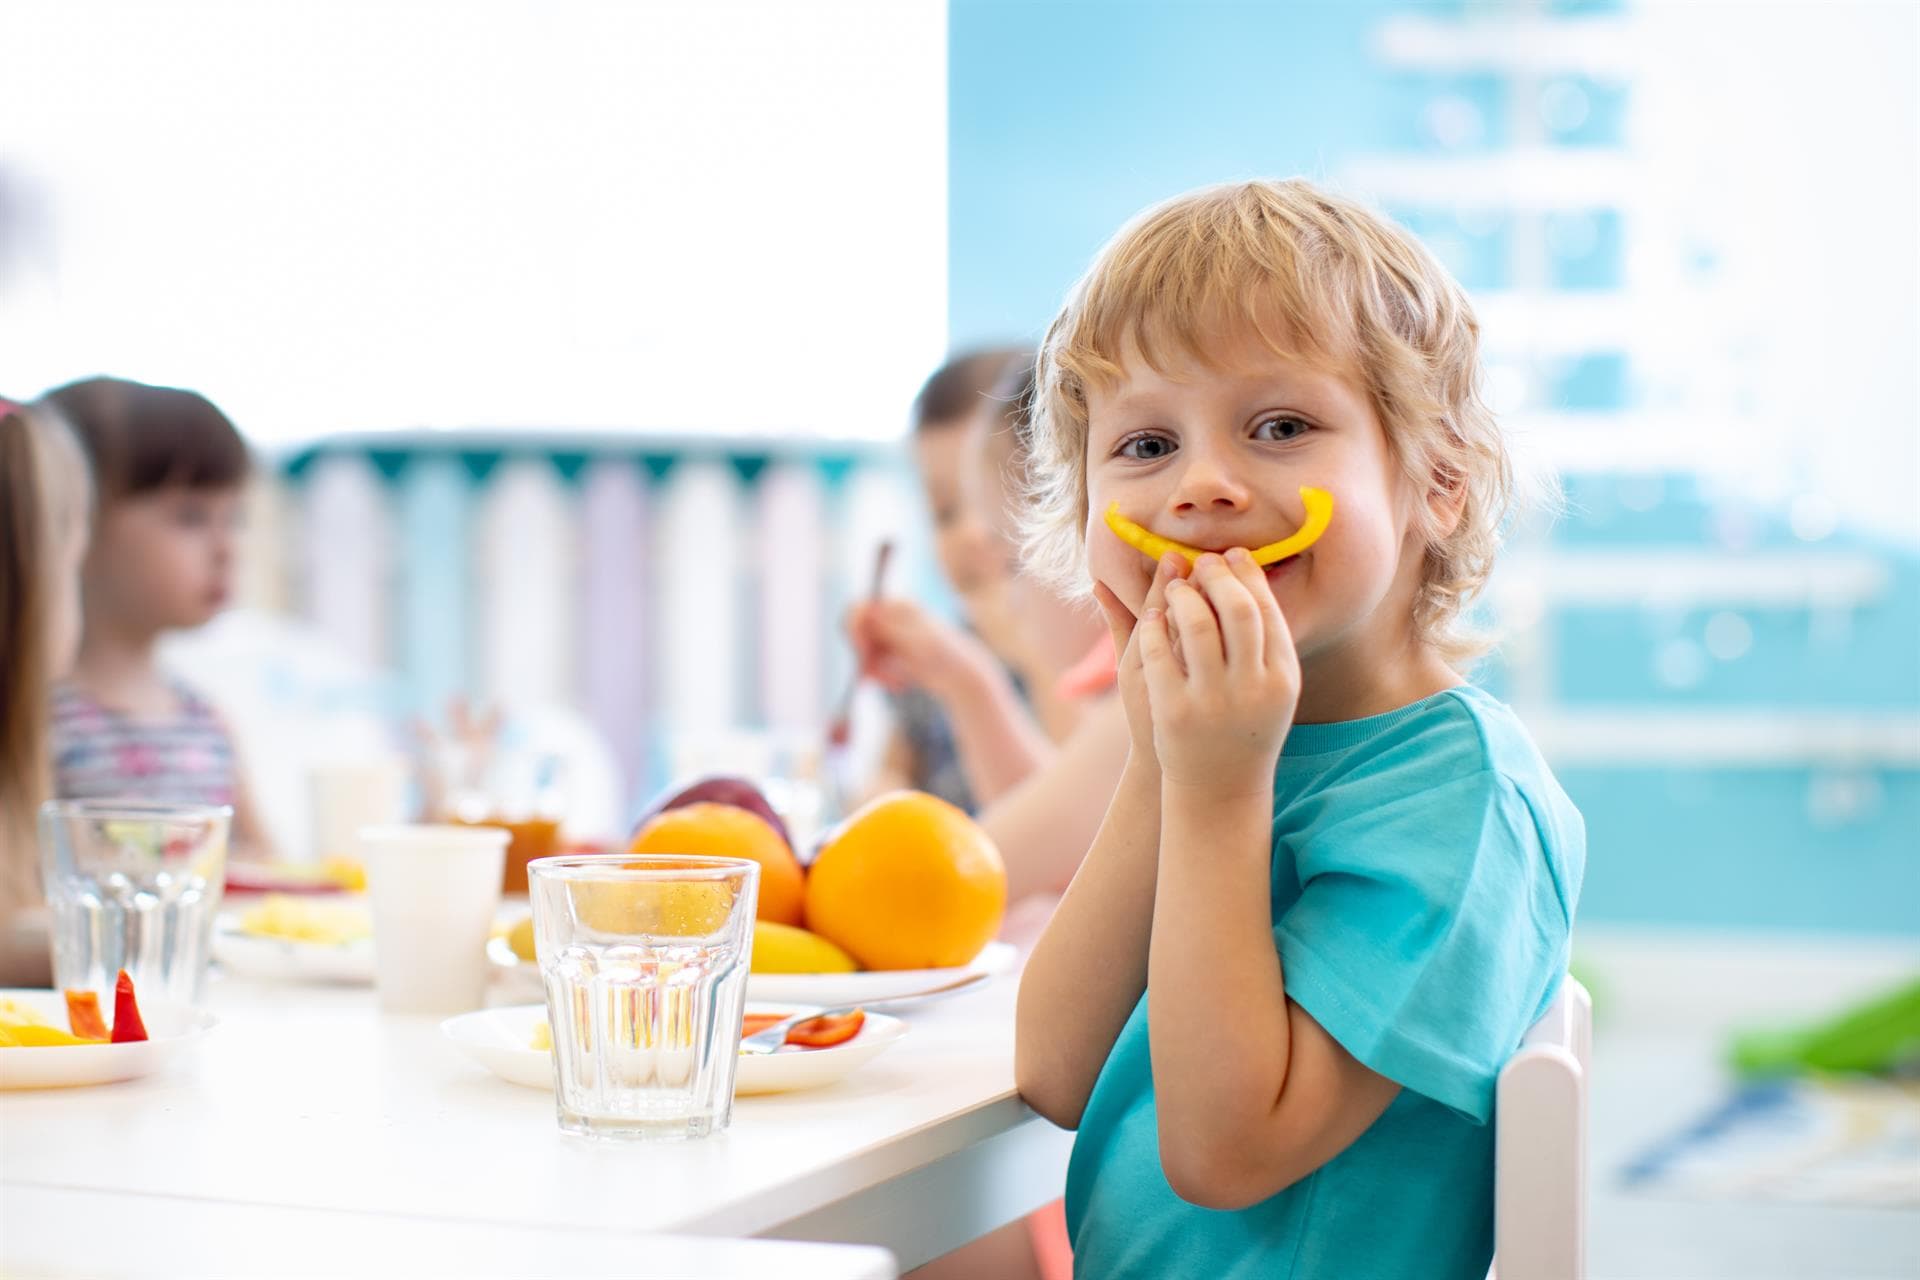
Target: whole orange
{"points": [[722, 831], [908, 882]]}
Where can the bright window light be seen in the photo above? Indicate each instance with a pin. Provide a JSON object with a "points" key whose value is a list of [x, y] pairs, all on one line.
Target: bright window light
{"points": [[706, 217]]}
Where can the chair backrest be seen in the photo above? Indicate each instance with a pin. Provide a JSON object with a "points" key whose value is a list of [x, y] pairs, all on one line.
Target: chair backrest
{"points": [[1540, 1146]]}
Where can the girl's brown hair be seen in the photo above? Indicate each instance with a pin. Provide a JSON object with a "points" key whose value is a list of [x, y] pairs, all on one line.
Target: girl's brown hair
{"points": [[140, 437], [954, 391], [43, 496]]}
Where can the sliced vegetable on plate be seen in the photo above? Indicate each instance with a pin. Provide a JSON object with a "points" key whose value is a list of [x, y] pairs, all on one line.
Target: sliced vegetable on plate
{"points": [[83, 1015], [127, 1025]]}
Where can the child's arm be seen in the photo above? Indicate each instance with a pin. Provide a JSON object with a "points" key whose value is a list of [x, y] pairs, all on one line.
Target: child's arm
{"points": [[1088, 969], [997, 740], [1252, 1093], [1044, 826]]}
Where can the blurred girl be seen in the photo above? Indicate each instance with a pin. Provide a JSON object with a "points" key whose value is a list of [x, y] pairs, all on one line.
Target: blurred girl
{"points": [[44, 506], [169, 468], [924, 661]]}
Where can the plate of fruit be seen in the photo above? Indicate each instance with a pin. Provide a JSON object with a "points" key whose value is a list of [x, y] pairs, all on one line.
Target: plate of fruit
{"points": [[55, 1039], [905, 893], [283, 938], [516, 1044]]}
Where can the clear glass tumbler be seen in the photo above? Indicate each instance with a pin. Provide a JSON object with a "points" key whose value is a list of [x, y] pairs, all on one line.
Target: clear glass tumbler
{"points": [[645, 963], [133, 886]]}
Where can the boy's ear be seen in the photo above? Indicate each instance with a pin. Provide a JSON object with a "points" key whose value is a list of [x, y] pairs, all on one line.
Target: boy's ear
{"points": [[1446, 500]]}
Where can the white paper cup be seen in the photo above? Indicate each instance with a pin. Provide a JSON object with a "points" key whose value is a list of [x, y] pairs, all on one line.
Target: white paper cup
{"points": [[434, 892]]}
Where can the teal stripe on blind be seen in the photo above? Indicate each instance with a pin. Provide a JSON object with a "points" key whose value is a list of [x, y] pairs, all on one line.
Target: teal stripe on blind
{"points": [[435, 600]]}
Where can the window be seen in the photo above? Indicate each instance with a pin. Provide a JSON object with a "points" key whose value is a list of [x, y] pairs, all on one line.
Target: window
{"points": [[707, 217]]}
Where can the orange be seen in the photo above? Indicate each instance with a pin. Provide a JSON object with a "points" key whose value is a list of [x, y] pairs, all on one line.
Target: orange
{"points": [[908, 882], [722, 831]]}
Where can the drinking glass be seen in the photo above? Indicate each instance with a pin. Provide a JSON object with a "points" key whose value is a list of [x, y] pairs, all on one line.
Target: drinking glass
{"points": [[133, 886], [645, 964]]}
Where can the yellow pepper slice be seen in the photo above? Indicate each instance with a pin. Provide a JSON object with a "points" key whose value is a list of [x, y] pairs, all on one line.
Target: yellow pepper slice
{"points": [[1319, 505], [26, 1036]]}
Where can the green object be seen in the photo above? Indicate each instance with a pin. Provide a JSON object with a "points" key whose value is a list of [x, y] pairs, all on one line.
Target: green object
{"points": [[1597, 993], [1877, 1038]]}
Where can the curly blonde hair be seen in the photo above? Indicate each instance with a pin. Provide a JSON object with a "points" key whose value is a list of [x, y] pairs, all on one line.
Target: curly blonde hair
{"points": [[1314, 277]]}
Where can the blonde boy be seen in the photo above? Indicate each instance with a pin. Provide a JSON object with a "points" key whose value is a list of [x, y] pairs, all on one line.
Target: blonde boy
{"points": [[1336, 883]]}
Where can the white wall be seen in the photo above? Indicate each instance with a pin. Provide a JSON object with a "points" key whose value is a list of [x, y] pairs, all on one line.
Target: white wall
{"points": [[690, 216], [1784, 139]]}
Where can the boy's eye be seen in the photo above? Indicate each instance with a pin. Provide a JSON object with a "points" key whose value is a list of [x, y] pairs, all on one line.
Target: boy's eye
{"points": [[1146, 448], [1280, 428]]}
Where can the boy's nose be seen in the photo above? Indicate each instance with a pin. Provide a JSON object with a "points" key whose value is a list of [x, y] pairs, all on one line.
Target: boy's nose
{"points": [[1208, 485]]}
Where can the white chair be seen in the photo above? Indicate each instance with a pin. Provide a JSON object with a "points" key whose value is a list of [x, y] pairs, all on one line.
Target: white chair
{"points": [[1540, 1146]]}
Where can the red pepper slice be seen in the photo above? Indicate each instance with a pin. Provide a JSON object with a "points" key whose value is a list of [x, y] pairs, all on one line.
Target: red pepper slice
{"points": [[822, 1033], [814, 1033], [83, 1015], [126, 1013], [753, 1022]]}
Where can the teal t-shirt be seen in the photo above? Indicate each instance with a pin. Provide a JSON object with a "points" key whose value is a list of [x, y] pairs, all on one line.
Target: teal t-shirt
{"points": [[1425, 871]]}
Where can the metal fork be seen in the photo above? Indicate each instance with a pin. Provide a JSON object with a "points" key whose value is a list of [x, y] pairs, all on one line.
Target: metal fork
{"points": [[769, 1039]]}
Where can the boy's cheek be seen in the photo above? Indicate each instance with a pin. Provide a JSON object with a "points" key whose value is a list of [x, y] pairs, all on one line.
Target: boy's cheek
{"points": [[1124, 571]]}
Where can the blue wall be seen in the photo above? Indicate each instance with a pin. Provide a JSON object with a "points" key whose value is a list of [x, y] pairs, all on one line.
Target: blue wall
{"points": [[1067, 118]]}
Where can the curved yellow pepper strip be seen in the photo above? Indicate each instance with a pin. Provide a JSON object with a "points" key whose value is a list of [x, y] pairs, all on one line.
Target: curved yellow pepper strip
{"points": [[1319, 505]]}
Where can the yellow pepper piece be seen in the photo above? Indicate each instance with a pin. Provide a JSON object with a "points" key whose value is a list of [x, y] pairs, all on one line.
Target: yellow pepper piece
{"points": [[27, 1036], [1319, 505]]}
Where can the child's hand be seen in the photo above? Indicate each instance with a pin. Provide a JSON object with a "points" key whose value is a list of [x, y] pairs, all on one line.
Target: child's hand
{"points": [[903, 646], [1126, 644], [1221, 674]]}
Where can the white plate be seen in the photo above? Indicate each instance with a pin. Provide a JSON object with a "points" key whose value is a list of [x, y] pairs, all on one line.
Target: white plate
{"points": [[174, 1029], [250, 955], [521, 978], [877, 984], [499, 1040]]}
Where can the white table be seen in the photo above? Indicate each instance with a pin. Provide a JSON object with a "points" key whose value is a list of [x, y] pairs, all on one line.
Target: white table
{"points": [[107, 1235], [307, 1099]]}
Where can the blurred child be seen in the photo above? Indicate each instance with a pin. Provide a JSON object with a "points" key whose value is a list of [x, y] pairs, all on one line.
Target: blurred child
{"points": [[962, 731], [169, 470], [1345, 875], [1044, 822], [44, 504], [1040, 762]]}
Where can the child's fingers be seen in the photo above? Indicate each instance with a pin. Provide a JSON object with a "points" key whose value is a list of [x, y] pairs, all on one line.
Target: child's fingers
{"points": [[1277, 651], [1280, 653], [1235, 607], [1155, 638], [1199, 633], [1120, 619], [1254, 579], [1171, 567]]}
